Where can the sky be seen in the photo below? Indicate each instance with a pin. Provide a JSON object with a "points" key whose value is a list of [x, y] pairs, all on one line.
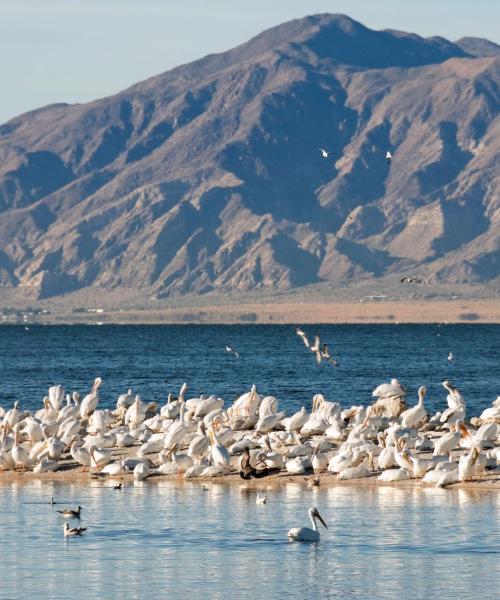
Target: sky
{"points": [[80, 50]]}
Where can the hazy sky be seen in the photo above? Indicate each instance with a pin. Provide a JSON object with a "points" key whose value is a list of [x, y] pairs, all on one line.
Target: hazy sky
{"points": [[78, 50]]}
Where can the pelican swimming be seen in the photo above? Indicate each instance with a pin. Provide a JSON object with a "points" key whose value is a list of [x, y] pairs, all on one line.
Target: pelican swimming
{"points": [[261, 499], [306, 534]]}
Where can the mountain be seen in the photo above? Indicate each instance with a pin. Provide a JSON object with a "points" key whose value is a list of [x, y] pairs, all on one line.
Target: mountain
{"points": [[478, 46], [208, 178]]}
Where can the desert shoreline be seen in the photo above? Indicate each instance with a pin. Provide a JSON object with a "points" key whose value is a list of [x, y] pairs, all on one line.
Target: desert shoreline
{"points": [[367, 312]]}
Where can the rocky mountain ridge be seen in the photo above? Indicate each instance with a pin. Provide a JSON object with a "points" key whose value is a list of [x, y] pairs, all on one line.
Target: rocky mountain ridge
{"points": [[208, 178]]}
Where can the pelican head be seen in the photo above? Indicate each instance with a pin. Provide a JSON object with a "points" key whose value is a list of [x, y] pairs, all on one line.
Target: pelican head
{"points": [[314, 514]]}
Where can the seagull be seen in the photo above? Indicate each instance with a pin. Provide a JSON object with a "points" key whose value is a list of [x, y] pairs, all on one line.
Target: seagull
{"points": [[69, 513], [303, 336], [388, 157], [324, 153], [450, 356], [72, 531], [261, 499], [232, 351], [316, 349]]}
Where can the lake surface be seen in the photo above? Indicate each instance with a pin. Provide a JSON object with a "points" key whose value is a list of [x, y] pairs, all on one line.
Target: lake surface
{"points": [[271, 356], [167, 540]]}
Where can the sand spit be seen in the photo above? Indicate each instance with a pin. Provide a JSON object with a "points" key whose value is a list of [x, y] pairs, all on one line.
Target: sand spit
{"points": [[70, 473]]}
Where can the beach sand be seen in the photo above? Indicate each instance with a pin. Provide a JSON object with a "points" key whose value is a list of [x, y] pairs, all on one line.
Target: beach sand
{"points": [[418, 311], [70, 472]]}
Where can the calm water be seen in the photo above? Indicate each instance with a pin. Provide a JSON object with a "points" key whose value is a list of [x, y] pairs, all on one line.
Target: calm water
{"points": [[163, 540], [272, 357]]}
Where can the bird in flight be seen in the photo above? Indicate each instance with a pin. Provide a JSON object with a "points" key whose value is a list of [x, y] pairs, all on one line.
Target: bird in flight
{"points": [[410, 280], [325, 355], [232, 351], [388, 157], [324, 153], [321, 351], [303, 336], [450, 356]]}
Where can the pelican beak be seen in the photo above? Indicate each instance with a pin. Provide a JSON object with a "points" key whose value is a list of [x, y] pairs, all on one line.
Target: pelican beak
{"points": [[321, 520]]}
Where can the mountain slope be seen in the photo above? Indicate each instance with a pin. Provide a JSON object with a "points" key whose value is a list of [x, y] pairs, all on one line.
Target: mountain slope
{"points": [[209, 177]]}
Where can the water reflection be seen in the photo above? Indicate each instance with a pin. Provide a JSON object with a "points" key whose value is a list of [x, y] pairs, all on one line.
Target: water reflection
{"points": [[180, 539]]}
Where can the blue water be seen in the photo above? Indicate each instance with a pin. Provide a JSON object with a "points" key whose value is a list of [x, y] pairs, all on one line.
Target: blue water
{"points": [[165, 540], [272, 357]]}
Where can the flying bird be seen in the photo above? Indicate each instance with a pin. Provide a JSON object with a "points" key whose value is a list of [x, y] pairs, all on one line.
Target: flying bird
{"points": [[410, 280], [232, 351], [321, 351], [388, 157], [303, 336], [324, 153], [325, 355], [450, 356]]}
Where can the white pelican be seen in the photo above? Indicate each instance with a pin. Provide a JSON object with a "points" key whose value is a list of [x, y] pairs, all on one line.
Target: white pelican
{"points": [[450, 441], [12, 416], [73, 531], [81, 455], [466, 464], [114, 469], [319, 460], [268, 422], [306, 534], [177, 430], [394, 475], [89, 403], [56, 396], [493, 412], [416, 414], [20, 456], [324, 153], [247, 404], [100, 456], [141, 471], [261, 499], [208, 405], [298, 465], [220, 454], [200, 442], [33, 429], [456, 404], [297, 420], [125, 400], [46, 466]]}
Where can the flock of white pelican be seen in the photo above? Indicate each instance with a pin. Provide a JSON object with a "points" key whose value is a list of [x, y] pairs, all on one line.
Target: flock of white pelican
{"points": [[200, 437]]}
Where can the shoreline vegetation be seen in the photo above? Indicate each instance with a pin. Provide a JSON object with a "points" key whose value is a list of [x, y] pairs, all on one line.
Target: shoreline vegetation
{"points": [[368, 312]]}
